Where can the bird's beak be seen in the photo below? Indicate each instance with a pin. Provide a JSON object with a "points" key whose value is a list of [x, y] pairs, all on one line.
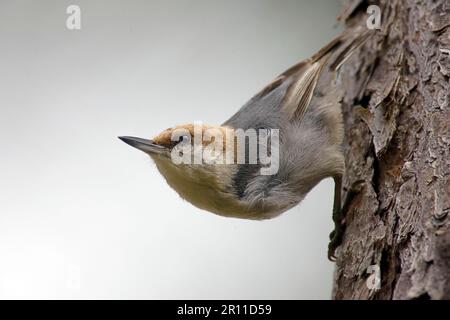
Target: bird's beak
{"points": [[147, 146]]}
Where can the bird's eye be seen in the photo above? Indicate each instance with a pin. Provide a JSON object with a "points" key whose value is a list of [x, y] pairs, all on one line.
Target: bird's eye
{"points": [[184, 139], [180, 153]]}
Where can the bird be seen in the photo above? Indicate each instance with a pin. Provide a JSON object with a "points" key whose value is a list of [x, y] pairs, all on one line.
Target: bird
{"points": [[298, 116]]}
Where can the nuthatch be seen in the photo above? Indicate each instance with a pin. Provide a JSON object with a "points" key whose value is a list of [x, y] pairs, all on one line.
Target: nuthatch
{"points": [[309, 125]]}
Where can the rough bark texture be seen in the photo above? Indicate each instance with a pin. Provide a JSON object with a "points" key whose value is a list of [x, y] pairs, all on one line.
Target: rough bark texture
{"points": [[397, 119]]}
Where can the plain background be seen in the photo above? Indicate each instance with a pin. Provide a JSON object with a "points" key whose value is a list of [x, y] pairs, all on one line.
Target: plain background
{"points": [[83, 215]]}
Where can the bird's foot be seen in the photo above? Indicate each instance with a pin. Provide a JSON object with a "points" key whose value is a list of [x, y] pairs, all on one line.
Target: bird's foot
{"points": [[339, 227]]}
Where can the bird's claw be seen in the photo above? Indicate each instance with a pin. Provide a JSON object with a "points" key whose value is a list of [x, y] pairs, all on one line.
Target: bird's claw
{"points": [[339, 229], [335, 241]]}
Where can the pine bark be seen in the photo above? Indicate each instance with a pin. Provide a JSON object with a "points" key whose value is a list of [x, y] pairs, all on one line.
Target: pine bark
{"points": [[397, 139]]}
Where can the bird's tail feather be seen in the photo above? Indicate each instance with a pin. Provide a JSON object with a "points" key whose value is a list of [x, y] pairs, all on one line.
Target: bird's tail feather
{"points": [[349, 48]]}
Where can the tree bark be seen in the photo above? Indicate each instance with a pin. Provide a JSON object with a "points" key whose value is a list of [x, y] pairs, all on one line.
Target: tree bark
{"points": [[397, 139]]}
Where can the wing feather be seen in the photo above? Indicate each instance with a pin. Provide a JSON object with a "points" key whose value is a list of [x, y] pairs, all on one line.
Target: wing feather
{"points": [[300, 93], [296, 85]]}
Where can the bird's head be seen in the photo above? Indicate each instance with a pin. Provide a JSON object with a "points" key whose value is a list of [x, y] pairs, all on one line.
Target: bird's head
{"points": [[192, 160], [185, 144], [202, 164]]}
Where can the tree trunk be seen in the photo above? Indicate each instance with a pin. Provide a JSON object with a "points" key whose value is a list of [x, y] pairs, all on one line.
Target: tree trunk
{"points": [[397, 139]]}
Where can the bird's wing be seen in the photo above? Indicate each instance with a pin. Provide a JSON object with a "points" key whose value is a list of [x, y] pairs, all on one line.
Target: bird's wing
{"points": [[293, 90], [302, 78], [300, 91], [299, 68]]}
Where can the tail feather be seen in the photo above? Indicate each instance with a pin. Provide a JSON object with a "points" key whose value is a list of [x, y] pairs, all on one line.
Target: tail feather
{"points": [[348, 50], [305, 78], [302, 78]]}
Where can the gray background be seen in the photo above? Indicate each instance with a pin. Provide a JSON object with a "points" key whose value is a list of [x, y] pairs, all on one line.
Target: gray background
{"points": [[82, 215]]}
